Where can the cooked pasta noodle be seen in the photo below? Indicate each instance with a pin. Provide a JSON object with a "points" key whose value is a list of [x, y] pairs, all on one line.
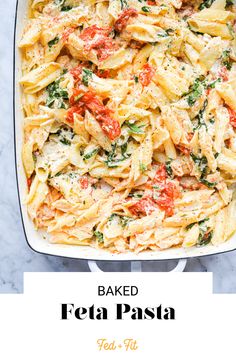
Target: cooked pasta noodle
{"points": [[130, 122]]}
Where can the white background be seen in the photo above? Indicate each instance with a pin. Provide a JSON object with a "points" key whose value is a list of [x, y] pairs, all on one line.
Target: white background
{"points": [[30, 323]]}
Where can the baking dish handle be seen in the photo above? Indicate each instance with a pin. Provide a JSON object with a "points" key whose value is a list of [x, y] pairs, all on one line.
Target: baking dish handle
{"points": [[136, 266]]}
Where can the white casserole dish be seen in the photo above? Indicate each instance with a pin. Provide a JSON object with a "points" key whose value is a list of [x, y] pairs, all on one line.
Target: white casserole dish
{"points": [[34, 238]]}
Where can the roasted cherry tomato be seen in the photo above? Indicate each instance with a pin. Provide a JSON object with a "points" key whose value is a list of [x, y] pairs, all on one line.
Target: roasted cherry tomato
{"points": [[84, 182], [232, 117], [146, 75], [124, 17]]}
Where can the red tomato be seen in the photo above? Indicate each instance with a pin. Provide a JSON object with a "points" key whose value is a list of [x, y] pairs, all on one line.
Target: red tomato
{"points": [[232, 117], [183, 149], [151, 2], [145, 206], [84, 182], [81, 101], [90, 32], [110, 127], [161, 174], [76, 72], [29, 182], [67, 33], [223, 73], [70, 113], [145, 77], [166, 204], [103, 73], [171, 190], [123, 18], [98, 39], [189, 137]]}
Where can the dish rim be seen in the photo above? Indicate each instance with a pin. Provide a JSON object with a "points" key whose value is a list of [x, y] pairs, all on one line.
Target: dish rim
{"points": [[20, 201]]}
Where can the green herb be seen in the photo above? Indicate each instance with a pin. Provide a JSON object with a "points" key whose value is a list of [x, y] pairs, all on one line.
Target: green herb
{"points": [[134, 128], [204, 238], [169, 169], [213, 83], [225, 58], [190, 226], [195, 92], [135, 79], [58, 174], [156, 187], [212, 120], [206, 4], [201, 163], [34, 157], [229, 3], [87, 74], [66, 8], [200, 223], [112, 161], [59, 2], [142, 167], [56, 94], [99, 235], [123, 4], [167, 32], [124, 148], [207, 183], [146, 9], [231, 29], [200, 118], [135, 195], [53, 42], [91, 154], [64, 141], [123, 220]]}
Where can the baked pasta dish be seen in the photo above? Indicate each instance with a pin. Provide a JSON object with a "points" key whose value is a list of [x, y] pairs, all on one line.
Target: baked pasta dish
{"points": [[130, 122]]}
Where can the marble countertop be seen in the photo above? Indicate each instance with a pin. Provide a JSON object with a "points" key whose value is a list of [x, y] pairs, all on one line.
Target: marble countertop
{"points": [[15, 255]]}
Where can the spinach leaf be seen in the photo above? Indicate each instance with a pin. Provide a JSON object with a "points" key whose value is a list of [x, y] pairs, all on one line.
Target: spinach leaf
{"points": [[123, 220], [91, 154], [59, 2], [137, 194], [195, 92], [225, 58], [123, 4], [87, 74], [66, 8], [204, 235], [134, 128], [213, 83], [201, 163], [206, 4], [229, 3], [207, 183], [200, 117], [56, 94], [112, 161], [169, 169], [146, 9], [204, 238], [99, 235], [142, 167], [53, 42], [64, 141]]}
